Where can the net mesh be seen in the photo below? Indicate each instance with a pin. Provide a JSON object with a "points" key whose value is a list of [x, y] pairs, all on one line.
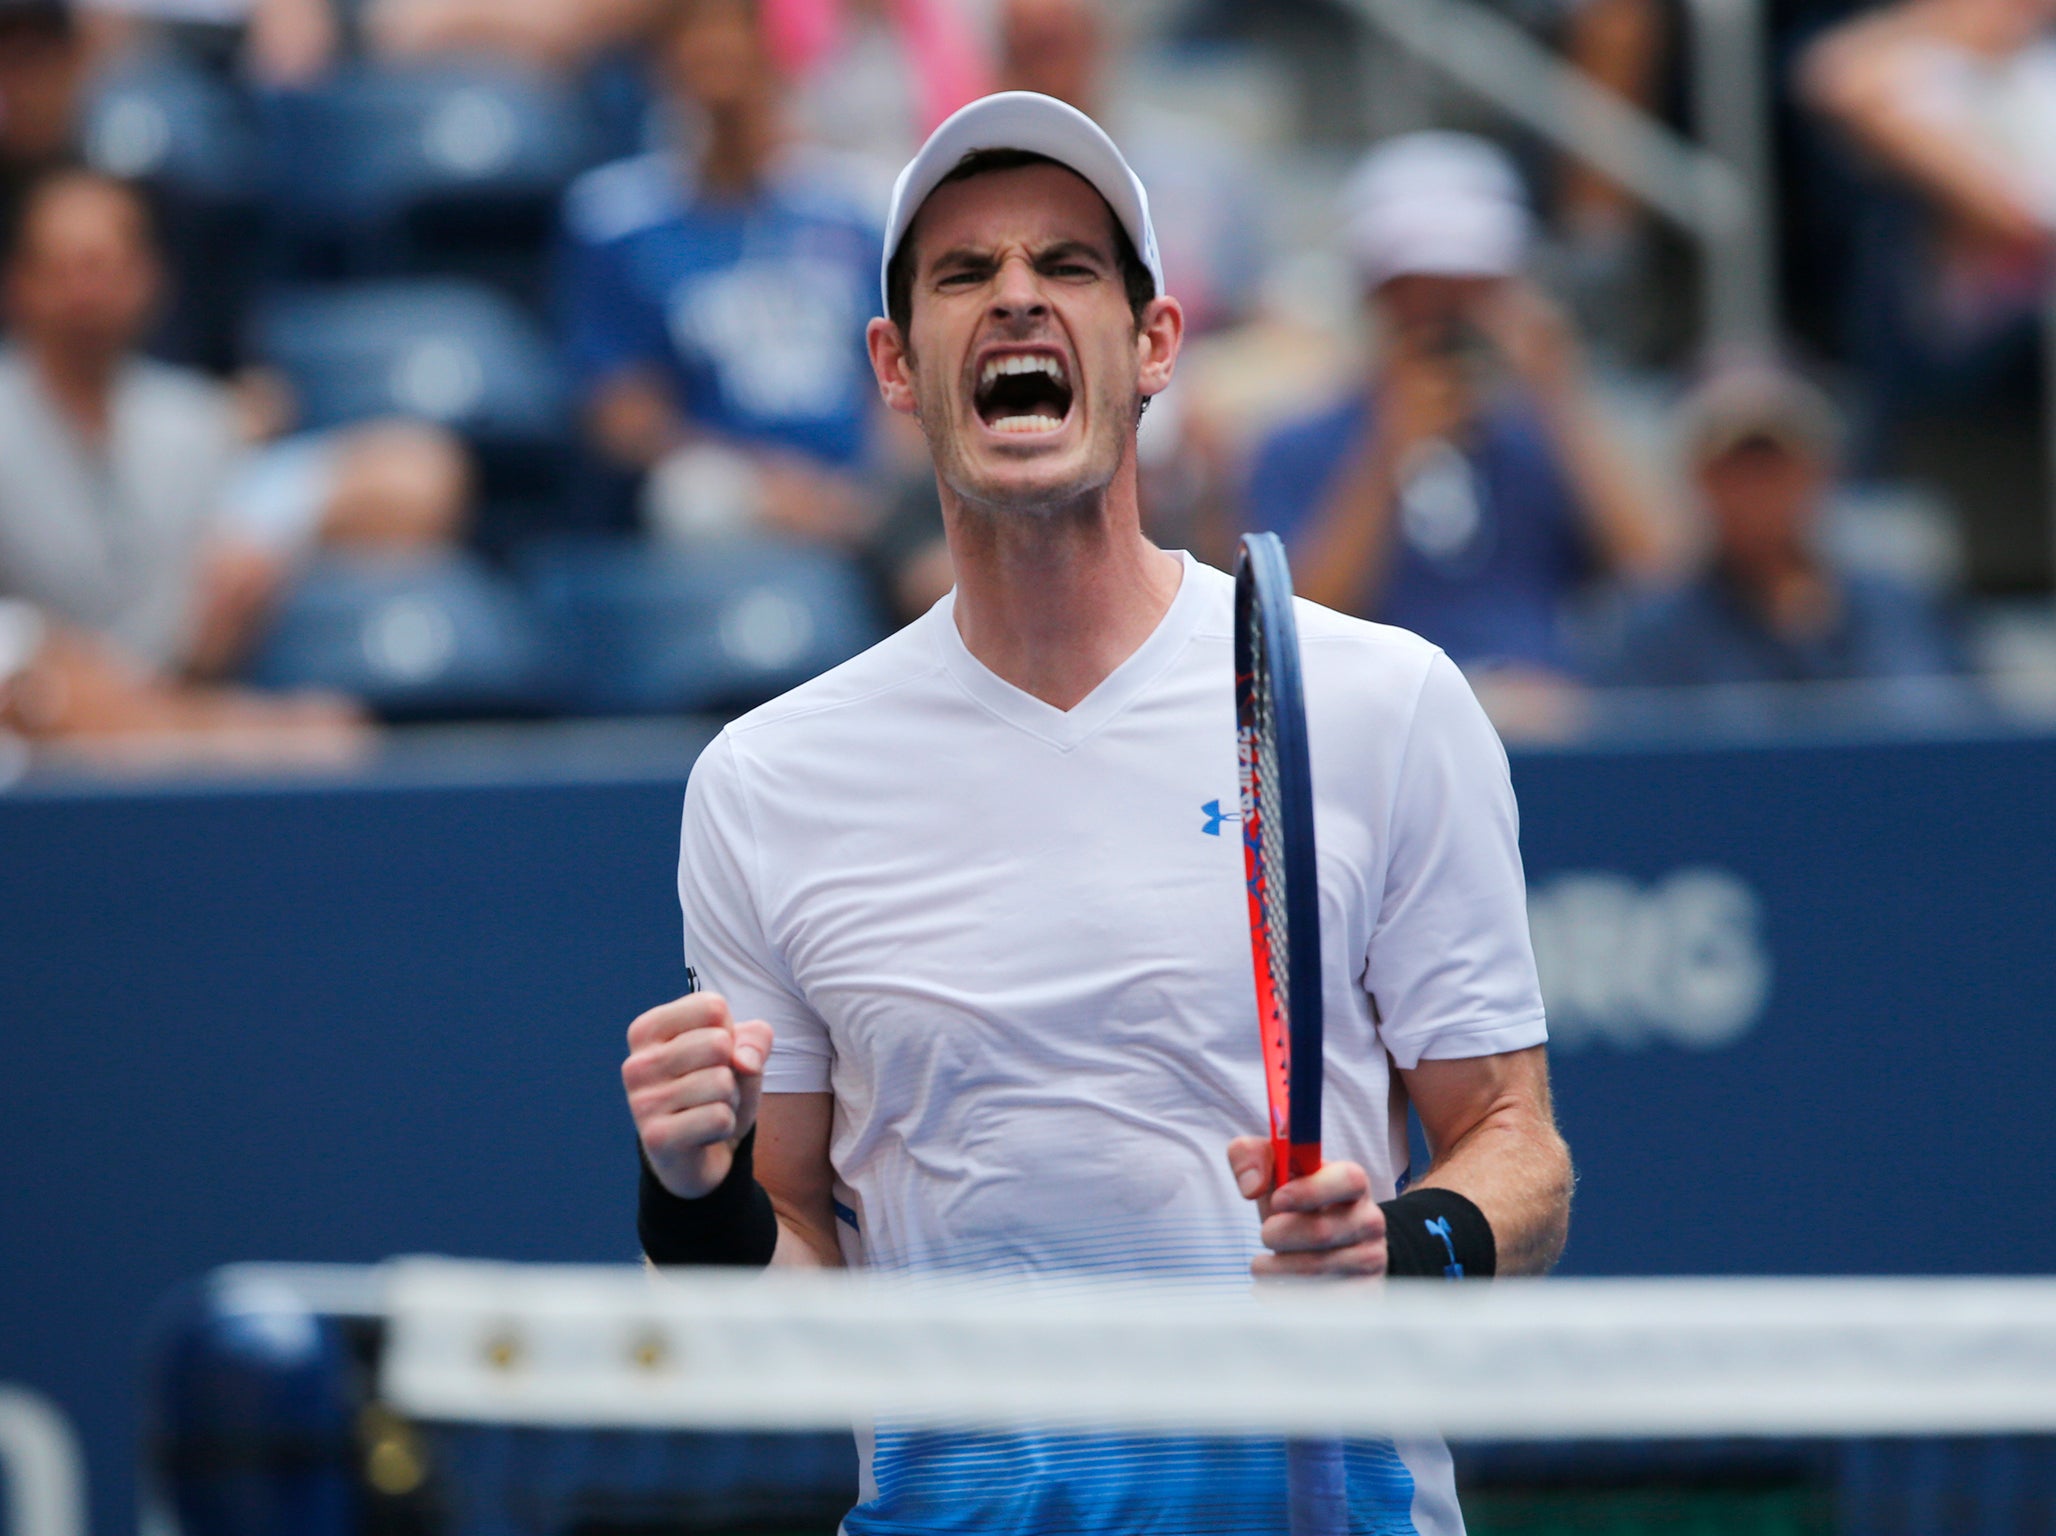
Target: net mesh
{"points": [[499, 1399]]}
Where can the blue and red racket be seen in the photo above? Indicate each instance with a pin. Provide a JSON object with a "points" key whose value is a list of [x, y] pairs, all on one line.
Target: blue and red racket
{"points": [[1284, 927]]}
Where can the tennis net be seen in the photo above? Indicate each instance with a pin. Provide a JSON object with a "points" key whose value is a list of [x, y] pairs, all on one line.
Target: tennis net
{"points": [[498, 1399]]}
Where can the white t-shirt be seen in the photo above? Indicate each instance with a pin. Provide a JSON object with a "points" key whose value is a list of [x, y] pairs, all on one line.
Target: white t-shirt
{"points": [[1013, 942]]}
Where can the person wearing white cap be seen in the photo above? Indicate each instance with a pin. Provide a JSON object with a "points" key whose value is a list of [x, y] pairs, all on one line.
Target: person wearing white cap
{"points": [[979, 992], [1761, 447], [1468, 487]]}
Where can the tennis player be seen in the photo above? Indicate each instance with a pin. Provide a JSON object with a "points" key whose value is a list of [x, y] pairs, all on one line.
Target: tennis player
{"points": [[971, 913]]}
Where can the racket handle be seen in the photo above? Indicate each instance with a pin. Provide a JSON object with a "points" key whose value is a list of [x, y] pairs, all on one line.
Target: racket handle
{"points": [[1293, 1160], [1301, 1158]]}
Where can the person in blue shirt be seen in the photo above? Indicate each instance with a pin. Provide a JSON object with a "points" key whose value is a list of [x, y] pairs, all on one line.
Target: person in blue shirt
{"points": [[1761, 448], [1468, 488], [714, 305]]}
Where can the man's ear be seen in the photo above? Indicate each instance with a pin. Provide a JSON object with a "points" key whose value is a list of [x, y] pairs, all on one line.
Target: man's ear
{"points": [[892, 360], [1157, 340]]}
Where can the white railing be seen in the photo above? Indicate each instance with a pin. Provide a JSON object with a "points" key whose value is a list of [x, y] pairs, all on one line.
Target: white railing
{"points": [[1718, 194]]}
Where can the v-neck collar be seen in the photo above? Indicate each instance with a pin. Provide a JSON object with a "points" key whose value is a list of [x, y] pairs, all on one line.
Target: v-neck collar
{"points": [[1066, 728]]}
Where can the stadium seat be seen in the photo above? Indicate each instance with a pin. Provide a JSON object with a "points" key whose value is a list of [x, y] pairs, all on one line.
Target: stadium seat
{"points": [[440, 349], [170, 124], [190, 140], [413, 639], [649, 629], [252, 1431], [379, 170]]}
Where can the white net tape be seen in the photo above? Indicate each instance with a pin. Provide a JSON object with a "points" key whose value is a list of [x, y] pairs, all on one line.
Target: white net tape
{"points": [[1514, 1360]]}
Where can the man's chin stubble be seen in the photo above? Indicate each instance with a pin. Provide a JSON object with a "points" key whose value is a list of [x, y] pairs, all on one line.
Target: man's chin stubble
{"points": [[1079, 500]]}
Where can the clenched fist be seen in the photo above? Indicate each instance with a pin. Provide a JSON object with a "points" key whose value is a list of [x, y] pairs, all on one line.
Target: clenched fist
{"points": [[694, 1077]]}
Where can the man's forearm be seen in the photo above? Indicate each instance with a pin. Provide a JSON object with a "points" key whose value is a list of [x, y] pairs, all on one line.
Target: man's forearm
{"points": [[1516, 1169], [1617, 500], [802, 1244], [1342, 556]]}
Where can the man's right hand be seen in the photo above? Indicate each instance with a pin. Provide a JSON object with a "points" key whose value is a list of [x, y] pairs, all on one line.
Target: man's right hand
{"points": [[694, 1077]]}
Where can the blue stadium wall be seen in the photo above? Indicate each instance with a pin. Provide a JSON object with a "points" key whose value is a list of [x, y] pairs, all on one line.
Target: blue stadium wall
{"points": [[1802, 998]]}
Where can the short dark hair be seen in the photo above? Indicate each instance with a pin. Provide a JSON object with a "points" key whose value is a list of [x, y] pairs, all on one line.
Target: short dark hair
{"points": [[37, 18], [899, 274]]}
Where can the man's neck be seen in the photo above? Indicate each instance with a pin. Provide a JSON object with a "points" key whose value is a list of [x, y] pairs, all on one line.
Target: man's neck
{"points": [[740, 144], [81, 386], [1054, 601]]}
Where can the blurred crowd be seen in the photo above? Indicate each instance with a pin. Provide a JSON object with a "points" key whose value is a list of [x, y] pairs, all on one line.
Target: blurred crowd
{"points": [[443, 359]]}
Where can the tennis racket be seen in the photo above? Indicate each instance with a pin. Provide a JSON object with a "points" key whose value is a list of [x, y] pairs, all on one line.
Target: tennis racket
{"points": [[1284, 929]]}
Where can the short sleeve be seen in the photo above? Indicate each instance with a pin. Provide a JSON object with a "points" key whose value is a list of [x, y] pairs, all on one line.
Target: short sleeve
{"points": [[724, 934], [1451, 967]]}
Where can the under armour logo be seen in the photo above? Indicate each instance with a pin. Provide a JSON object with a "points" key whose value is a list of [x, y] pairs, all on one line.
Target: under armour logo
{"points": [[1215, 816], [1440, 1227]]}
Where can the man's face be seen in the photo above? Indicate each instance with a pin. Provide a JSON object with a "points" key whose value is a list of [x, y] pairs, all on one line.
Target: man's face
{"points": [[1024, 362], [1432, 307], [39, 79], [715, 55], [1762, 495], [1051, 46], [84, 278]]}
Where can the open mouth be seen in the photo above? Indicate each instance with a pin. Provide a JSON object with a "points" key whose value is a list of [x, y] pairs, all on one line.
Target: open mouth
{"points": [[1024, 392]]}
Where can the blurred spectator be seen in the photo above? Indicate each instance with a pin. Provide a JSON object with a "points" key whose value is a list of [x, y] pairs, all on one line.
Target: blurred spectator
{"points": [[1619, 264], [66, 687], [131, 508], [289, 43], [1761, 448], [278, 43], [873, 78], [1201, 185], [1955, 101], [52, 63], [558, 35], [1469, 488], [1959, 98], [715, 308], [42, 62]]}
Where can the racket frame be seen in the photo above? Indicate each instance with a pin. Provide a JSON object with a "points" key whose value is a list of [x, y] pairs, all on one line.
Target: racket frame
{"points": [[1292, 1032]]}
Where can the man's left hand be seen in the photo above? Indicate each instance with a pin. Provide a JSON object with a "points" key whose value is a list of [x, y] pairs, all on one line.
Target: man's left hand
{"points": [[1323, 1224]]}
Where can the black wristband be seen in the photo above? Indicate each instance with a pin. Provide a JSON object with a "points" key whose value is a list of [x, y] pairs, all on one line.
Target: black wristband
{"points": [[732, 1223], [1436, 1234]]}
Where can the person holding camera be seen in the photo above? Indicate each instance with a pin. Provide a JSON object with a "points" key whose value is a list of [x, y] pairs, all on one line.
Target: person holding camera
{"points": [[1471, 488]]}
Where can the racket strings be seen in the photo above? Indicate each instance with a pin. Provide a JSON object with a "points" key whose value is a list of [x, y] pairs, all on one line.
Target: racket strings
{"points": [[1269, 832]]}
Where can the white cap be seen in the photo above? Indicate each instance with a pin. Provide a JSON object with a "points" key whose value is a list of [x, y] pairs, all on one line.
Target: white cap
{"points": [[1041, 125], [1757, 401], [1442, 204]]}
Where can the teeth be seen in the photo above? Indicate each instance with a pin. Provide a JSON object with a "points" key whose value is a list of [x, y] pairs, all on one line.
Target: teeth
{"points": [[1026, 424], [1002, 367]]}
